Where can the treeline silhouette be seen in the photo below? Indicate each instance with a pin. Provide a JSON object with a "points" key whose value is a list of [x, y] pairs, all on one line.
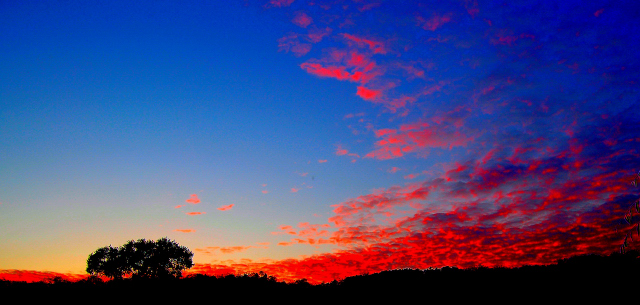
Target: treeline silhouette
{"points": [[577, 278]]}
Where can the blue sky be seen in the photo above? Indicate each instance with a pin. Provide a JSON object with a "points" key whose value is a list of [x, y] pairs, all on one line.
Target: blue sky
{"points": [[328, 129]]}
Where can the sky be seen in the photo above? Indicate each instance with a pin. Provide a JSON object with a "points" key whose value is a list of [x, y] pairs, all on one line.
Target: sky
{"points": [[317, 139]]}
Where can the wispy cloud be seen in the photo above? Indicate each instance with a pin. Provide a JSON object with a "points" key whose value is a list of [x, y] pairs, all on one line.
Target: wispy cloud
{"points": [[302, 20], [194, 199], [226, 207], [278, 3], [195, 213], [184, 230]]}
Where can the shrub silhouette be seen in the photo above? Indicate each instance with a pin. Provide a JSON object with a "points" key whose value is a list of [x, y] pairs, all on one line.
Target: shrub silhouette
{"points": [[143, 258]]}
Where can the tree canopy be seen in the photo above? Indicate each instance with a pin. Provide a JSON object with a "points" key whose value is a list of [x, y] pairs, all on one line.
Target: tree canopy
{"points": [[143, 258]]}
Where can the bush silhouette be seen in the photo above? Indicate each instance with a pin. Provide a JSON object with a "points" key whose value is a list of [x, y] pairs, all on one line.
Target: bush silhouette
{"points": [[143, 258]]}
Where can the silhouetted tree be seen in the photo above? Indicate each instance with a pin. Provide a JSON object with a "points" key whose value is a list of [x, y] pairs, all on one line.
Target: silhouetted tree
{"points": [[143, 258]]}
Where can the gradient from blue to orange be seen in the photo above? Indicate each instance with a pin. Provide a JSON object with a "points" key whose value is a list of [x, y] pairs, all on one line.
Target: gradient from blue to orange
{"points": [[317, 139]]}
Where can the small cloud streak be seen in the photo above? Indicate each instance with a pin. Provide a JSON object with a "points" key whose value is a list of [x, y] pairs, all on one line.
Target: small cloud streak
{"points": [[184, 230], [278, 3], [223, 250], [194, 199], [226, 207], [195, 213]]}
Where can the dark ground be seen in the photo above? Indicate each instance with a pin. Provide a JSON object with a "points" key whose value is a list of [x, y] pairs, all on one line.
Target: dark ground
{"points": [[582, 278]]}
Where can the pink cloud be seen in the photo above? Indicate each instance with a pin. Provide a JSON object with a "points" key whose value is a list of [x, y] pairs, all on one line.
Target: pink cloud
{"points": [[194, 199], [332, 71], [340, 151], [265, 191], [285, 229], [368, 6], [226, 207], [434, 22], [224, 250], [322, 161], [352, 115], [375, 46], [291, 43], [195, 213], [598, 12], [302, 20], [345, 66], [178, 206], [414, 137], [278, 3], [316, 35], [184, 230], [394, 169], [294, 190]]}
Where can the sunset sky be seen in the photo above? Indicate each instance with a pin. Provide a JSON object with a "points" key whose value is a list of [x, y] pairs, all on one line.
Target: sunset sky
{"points": [[317, 139]]}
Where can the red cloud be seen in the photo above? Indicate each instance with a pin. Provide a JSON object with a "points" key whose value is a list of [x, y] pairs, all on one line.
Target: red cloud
{"points": [[196, 213], [194, 199], [509, 206], [335, 72], [302, 20], [184, 230], [30, 276], [178, 206], [412, 137], [375, 46], [226, 207], [367, 94], [342, 65], [223, 250], [285, 230], [489, 212]]}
